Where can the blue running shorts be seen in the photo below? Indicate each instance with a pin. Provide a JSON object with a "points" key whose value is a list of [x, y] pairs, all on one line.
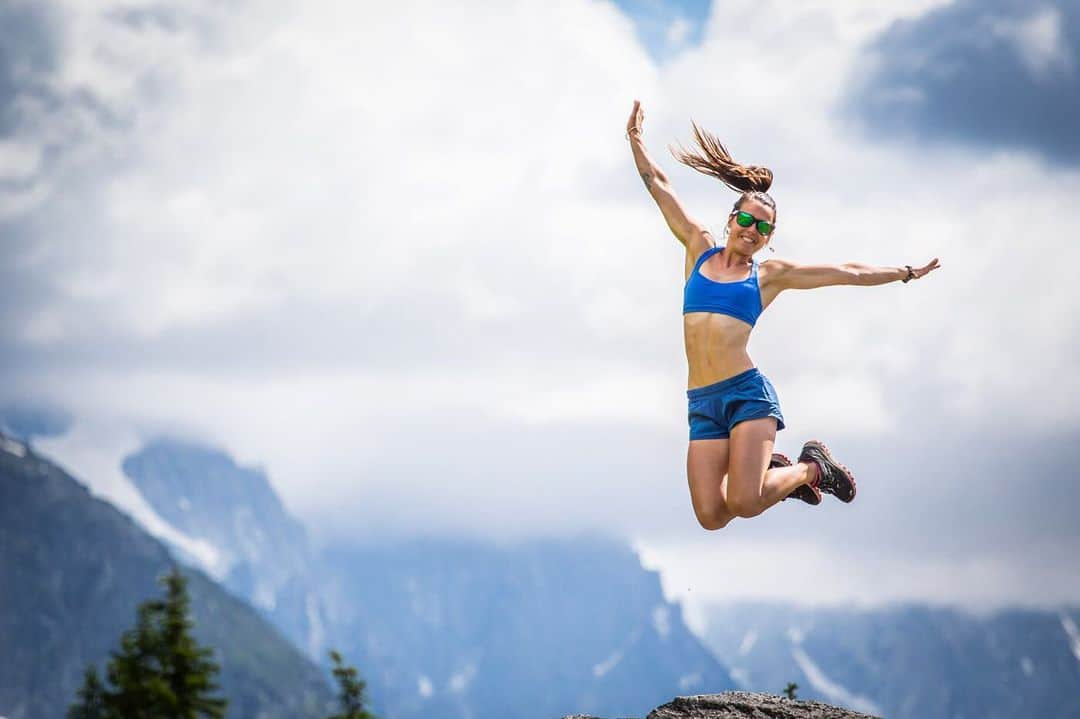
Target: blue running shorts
{"points": [[714, 409]]}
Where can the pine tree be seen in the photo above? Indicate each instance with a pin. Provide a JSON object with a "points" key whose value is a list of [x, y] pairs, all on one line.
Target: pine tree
{"points": [[135, 670], [159, 671], [90, 702], [188, 668], [352, 690]]}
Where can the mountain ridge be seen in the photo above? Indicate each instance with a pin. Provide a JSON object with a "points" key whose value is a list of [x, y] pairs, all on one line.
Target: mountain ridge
{"points": [[452, 626], [73, 568]]}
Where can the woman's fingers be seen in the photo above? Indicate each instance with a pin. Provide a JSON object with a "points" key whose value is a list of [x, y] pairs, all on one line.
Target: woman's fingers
{"points": [[637, 116], [932, 265]]}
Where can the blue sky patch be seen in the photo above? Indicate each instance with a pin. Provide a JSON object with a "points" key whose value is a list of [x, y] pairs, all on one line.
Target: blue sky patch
{"points": [[667, 28]]}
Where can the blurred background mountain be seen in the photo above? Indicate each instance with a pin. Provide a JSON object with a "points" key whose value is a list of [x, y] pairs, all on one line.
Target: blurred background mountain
{"points": [[72, 571], [456, 627]]}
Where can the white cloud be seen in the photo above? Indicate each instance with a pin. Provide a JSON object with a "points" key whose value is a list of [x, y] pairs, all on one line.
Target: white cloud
{"points": [[812, 573], [18, 160], [400, 255], [678, 31], [95, 451], [1039, 42]]}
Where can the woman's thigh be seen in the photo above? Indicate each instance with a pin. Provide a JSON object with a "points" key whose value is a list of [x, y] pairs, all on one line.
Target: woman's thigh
{"points": [[750, 451], [706, 465]]}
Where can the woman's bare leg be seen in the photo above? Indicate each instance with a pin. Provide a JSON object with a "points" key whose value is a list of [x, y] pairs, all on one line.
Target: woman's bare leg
{"points": [[752, 486], [778, 482], [706, 467]]}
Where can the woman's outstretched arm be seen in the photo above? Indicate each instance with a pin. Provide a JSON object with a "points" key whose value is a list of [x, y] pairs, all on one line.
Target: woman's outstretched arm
{"points": [[656, 182], [790, 276]]}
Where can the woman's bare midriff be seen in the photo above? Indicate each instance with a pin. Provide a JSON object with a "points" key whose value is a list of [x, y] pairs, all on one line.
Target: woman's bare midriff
{"points": [[715, 347]]}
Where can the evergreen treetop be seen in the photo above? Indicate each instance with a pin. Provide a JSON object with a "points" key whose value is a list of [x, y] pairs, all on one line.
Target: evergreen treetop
{"points": [[352, 690], [159, 671]]}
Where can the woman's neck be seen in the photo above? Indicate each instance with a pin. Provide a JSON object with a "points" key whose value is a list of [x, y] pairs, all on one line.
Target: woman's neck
{"points": [[734, 258]]}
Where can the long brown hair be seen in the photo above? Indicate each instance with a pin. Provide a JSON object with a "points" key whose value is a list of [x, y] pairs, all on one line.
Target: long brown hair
{"points": [[714, 159]]}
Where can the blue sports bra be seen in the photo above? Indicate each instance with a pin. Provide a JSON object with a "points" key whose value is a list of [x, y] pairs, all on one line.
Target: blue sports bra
{"points": [[741, 300]]}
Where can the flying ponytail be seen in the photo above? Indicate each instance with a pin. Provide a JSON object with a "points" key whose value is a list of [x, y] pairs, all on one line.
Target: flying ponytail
{"points": [[714, 160]]}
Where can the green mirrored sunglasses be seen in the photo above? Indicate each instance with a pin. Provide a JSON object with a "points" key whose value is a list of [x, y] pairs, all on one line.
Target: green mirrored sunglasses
{"points": [[745, 219]]}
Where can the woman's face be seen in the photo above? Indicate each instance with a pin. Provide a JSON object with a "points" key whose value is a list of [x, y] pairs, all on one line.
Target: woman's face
{"points": [[747, 239]]}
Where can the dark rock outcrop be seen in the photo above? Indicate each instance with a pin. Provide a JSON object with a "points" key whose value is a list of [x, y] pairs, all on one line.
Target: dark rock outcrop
{"points": [[744, 705]]}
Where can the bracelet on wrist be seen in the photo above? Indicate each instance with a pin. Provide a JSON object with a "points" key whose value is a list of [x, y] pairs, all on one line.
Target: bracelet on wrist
{"points": [[910, 274]]}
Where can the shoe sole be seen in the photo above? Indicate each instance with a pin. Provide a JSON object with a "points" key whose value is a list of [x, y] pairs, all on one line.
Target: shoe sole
{"points": [[847, 472], [782, 460], [779, 460]]}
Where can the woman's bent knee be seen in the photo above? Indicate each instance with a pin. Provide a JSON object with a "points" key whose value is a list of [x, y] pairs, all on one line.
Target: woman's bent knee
{"points": [[713, 525], [743, 508], [713, 519]]}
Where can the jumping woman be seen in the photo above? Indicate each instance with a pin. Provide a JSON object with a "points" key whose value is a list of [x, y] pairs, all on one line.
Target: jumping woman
{"points": [[734, 412]]}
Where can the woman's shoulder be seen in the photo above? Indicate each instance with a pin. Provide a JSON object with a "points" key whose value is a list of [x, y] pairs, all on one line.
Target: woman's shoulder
{"points": [[772, 267], [775, 263], [697, 254]]}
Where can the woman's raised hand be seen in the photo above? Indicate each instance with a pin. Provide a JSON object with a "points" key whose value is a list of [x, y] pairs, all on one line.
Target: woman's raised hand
{"points": [[637, 116], [925, 270]]}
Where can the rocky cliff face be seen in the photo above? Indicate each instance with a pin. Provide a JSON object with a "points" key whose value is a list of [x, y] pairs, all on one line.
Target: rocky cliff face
{"points": [[744, 705]]}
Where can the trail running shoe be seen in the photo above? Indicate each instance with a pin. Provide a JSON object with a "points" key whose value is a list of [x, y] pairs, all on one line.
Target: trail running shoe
{"points": [[833, 477], [805, 492]]}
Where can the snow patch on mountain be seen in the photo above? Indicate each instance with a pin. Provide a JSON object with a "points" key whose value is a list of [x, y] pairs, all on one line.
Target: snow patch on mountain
{"points": [[688, 681], [460, 681], [747, 643], [616, 656], [98, 454], [836, 693], [15, 447], [661, 620], [316, 630], [198, 551], [250, 537], [608, 664], [265, 596], [1072, 633]]}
